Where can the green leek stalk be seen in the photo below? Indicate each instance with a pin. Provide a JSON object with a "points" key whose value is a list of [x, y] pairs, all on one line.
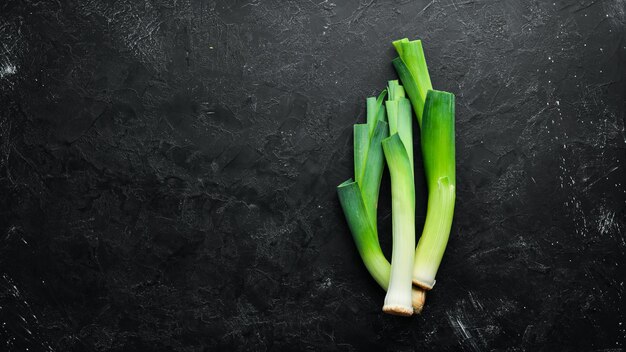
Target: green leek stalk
{"points": [[413, 72], [359, 198], [438, 151], [398, 150]]}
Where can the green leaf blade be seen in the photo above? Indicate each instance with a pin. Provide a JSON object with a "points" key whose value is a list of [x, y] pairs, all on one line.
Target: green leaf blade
{"points": [[410, 87], [365, 237], [361, 147], [413, 72], [413, 56], [372, 175], [405, 126]]}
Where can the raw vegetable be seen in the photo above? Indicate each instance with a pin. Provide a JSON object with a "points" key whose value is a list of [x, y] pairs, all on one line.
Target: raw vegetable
{"points": [[435, 115], [359, 197], [393, 140], [398, 149], [438, 151]]}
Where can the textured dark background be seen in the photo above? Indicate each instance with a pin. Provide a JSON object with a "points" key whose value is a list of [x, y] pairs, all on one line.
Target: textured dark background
{"points": [[168, 173]]}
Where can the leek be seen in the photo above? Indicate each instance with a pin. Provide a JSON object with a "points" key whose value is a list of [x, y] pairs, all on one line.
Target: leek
{"points": [[438, 151], [359, 197], [398, 150], [435, 116]]}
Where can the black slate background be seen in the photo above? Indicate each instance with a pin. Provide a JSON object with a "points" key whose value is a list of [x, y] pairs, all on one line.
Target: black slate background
{"points": [[168, 173]]}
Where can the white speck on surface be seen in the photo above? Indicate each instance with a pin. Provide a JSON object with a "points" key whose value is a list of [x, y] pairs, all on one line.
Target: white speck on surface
{"points": [[7, 69]]}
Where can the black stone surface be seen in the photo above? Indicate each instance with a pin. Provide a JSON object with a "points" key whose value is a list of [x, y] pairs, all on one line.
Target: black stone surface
{"points": [[168, 173]]}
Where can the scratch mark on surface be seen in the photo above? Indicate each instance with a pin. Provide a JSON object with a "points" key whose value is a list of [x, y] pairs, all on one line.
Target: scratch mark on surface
{"points": [[426, 7], [462, 331], [601, 177], [586, 6], [475, 302], [606, 222]]}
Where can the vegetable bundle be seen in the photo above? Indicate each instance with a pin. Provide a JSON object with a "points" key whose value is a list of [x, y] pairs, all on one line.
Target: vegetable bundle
{"points": [[388, 136]]}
